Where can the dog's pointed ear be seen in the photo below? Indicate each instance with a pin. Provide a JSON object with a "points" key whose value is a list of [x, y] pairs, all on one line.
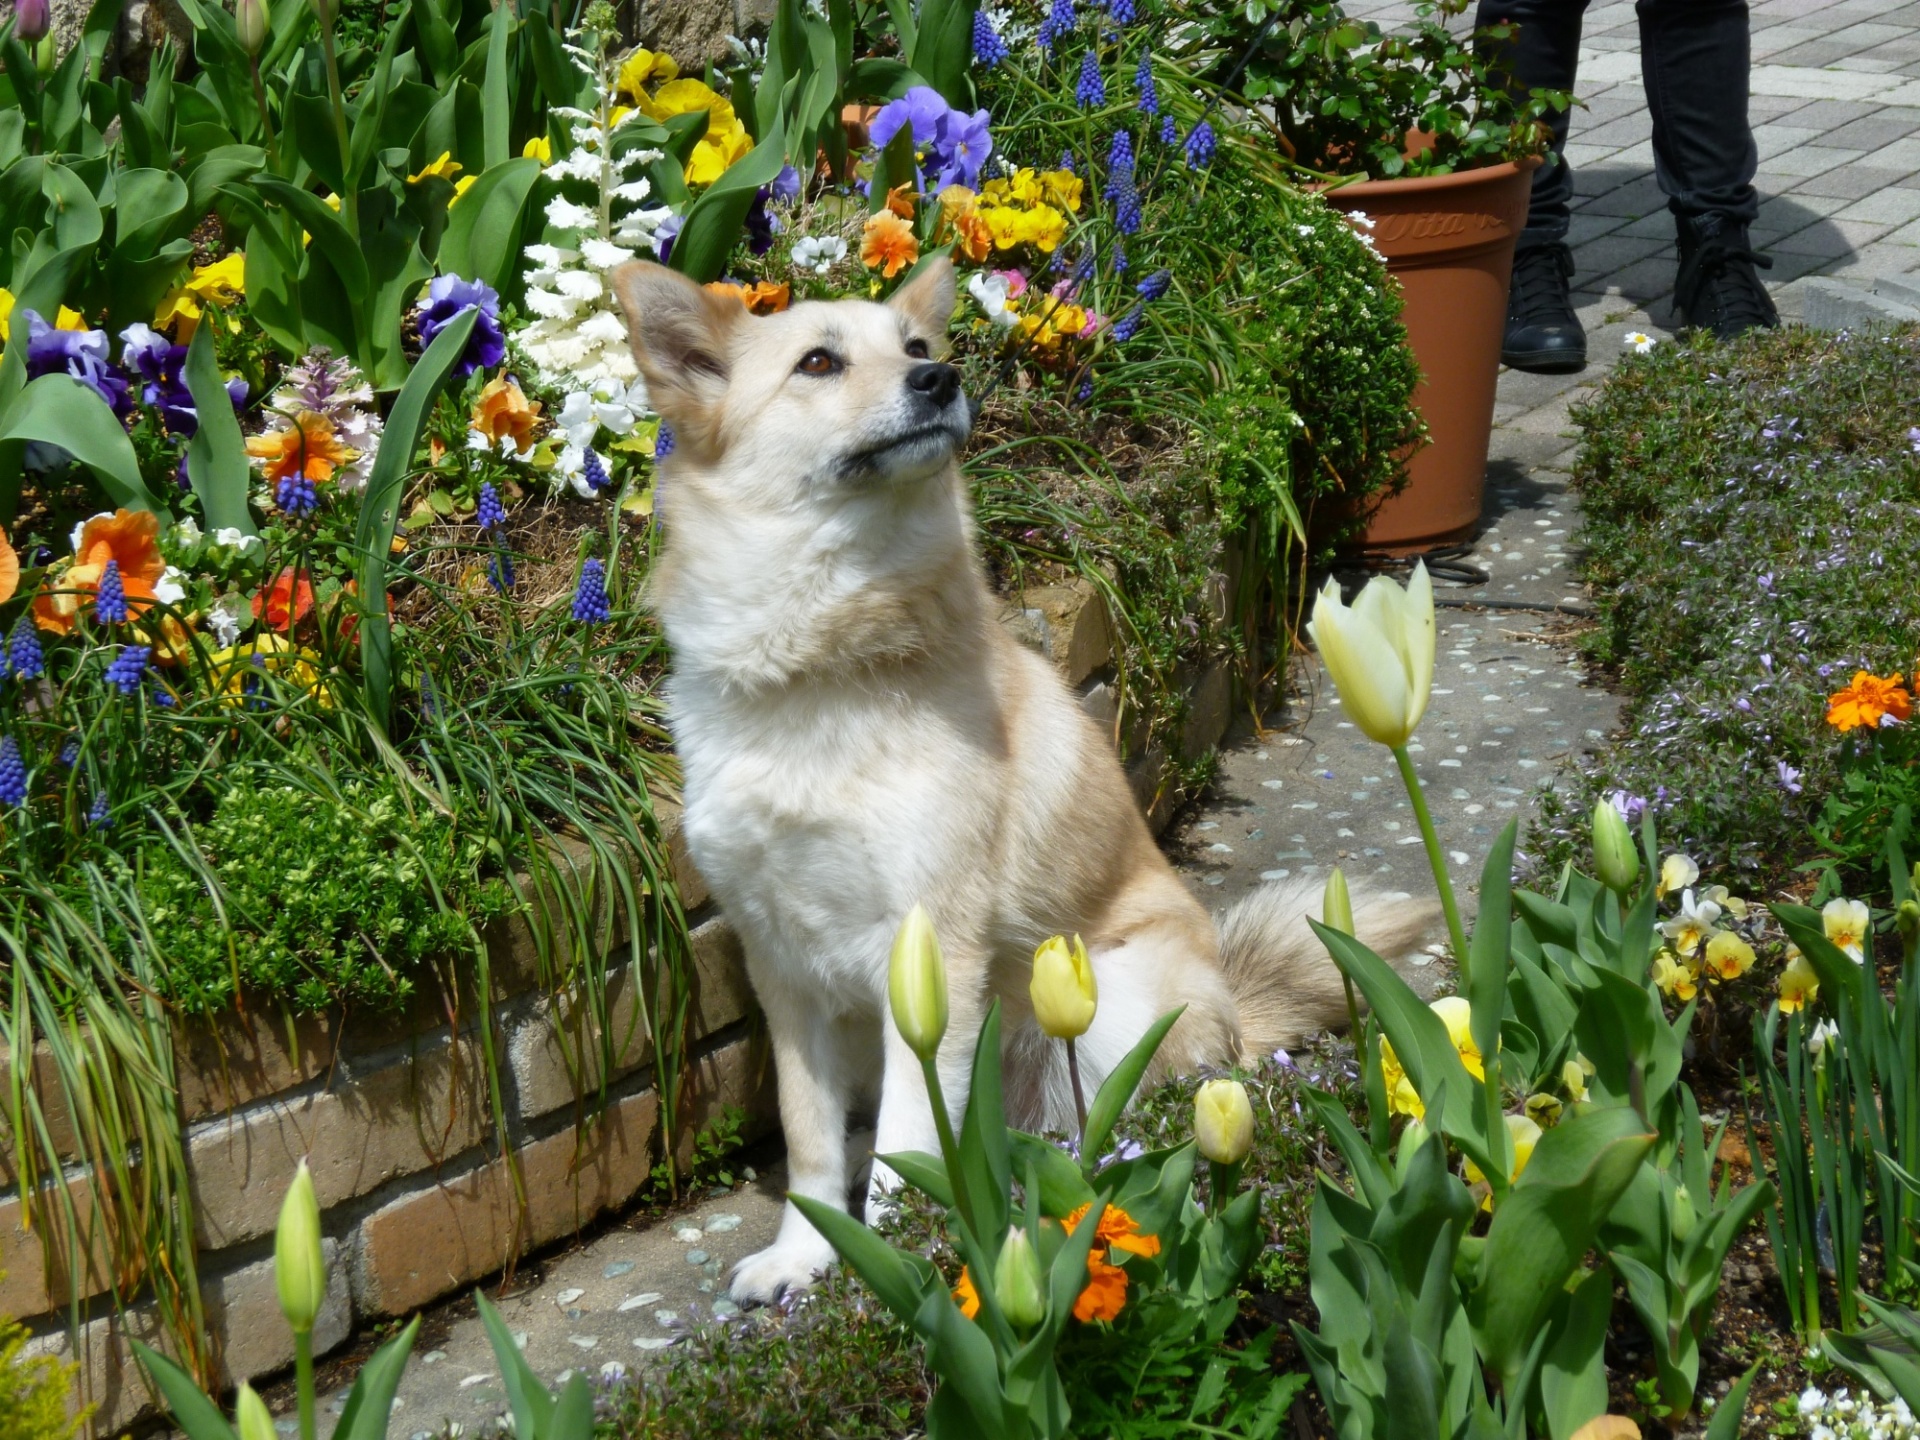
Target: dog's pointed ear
{"points": [[682, 337], [927, 299]]}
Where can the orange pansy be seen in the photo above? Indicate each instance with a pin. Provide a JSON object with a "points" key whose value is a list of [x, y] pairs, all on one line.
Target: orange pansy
{"points": [[307, 446], [900, 201], [761, 298], [960, 212], [9, 569], [503, 410], [1868, 700], [286, 601], [888, 244], [966, 1296], [129, 538]]}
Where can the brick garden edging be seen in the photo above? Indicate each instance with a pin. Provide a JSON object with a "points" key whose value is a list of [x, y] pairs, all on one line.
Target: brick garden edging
{"points": [[394, 1118]]}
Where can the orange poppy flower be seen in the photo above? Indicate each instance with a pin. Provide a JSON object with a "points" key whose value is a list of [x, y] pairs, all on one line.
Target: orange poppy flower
{"points": [[1868, 700], [286, 601], [761, 298], [966, 1296], [503, 410], [129, 538], [9, 569], [307, 446], [887, 244]]}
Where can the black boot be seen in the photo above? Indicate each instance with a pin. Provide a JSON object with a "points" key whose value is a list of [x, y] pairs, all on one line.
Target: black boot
{"points": [[1543, 333], [1717, 288]]}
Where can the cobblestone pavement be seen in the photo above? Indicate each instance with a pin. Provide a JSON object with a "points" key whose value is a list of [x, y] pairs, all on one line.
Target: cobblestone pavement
{"points": [[1837, 114]]}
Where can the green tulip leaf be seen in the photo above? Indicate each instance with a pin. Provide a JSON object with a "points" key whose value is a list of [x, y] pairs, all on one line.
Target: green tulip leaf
{"points": [[527, 1394], [369, 1406], [1063, 1188], [713, 224], [1572, 1379], [192, 1411], [1116, 1091], [926, 1173], [217, 454], [482, 239], [59, 410], [986, 1161], [904, 1282], [1726, 1419], [1489, 947]]}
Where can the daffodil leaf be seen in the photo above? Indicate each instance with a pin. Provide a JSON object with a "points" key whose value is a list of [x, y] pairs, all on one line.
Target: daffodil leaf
{"points": [[1488, 949], [1733, 1405]]}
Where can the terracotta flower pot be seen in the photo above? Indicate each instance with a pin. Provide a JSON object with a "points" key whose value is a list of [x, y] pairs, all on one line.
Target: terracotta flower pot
{"points": [[1448, 240]]}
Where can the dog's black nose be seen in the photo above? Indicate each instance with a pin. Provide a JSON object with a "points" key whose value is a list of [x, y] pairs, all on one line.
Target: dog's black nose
{"points": [[939, 383]]}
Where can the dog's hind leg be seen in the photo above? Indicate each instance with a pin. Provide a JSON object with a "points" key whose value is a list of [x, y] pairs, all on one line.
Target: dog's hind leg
{"points": [[816, 1084]]}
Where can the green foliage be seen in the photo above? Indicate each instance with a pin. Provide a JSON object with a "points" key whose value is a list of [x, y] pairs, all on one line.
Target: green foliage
{"points": [[322, 897], [1747, 510], [33, 1390], [1346, 95]]}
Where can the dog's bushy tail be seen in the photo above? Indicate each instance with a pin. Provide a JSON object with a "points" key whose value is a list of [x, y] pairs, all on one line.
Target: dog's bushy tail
{"points": [[1282, 979]]}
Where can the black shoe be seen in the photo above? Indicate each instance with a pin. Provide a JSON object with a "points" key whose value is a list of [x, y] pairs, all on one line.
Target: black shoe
{"points": [[1717, 289], [1543, 333]]}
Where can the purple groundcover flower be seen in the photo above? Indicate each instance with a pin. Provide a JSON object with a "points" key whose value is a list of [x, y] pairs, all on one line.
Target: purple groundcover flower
{"points": [[449, 297], [1788, 777], [83, 354], [955, 142], [1630, 806]]}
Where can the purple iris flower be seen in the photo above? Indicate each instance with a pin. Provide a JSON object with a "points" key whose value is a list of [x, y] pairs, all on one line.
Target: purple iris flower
{"points": [[83, 354], [450, 297]]}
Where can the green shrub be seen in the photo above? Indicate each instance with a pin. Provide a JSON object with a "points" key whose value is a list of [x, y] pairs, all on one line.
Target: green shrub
{"points": [[33, 1390], [1750, 527]]}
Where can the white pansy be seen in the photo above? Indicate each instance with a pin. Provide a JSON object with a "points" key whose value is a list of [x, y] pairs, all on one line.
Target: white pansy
{"points": [[167, 589], [235, 539], [507, 447], [990, 293], [819, 253], [585, 412], [187, 533], [228, 618]]}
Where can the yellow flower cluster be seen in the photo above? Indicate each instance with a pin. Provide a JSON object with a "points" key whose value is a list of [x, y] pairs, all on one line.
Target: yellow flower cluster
{"points": [[1048, 326], [224, 282], [1030, 207], [726, 140], [1696, 947]]}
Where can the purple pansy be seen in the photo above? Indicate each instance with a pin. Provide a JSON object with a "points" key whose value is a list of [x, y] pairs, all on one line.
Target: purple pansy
{"points": [[449, 297], [82, 354]]}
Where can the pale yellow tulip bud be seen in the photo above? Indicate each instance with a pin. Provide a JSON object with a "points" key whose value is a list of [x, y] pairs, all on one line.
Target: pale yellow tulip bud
{"points": [[1018, 1283], [1615, 860], [251, 1417], [1683, 1214], [251, 24], [1064, 992], [917, 984], [299, 1267], [1379, 653], [1223, 1121], [1336, 903]]}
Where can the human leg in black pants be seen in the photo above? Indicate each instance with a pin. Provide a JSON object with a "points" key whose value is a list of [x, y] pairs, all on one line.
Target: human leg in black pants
{"points": [[1695, 57]]}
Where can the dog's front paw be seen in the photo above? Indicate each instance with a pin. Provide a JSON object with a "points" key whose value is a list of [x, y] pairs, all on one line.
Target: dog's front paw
{"points": [[784, 1267]]}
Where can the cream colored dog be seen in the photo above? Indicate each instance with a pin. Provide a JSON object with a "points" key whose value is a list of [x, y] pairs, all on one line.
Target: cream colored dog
{"points": [[858, 734]]}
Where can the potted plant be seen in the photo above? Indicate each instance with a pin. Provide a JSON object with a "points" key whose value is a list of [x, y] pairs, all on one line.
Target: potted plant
{"points": [[1430, 151]]}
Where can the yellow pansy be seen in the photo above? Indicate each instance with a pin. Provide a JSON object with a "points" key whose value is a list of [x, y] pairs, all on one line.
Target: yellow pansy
{"points": [[67, 319], [231, 669], [1523, 1134], [726, 140], [1799, 985], [1674, 978], [460, 187], [224, 282], [643, 67], [539, 148], [1728, 956], [1063, 188], [1457, 1016], [446, 167]]}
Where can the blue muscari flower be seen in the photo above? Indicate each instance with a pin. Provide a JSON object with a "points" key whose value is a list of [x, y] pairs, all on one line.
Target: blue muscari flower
{"points": [[100, 814], [1143, 82], [1119, 159], [1086, 389], [663, 442], [1083, 267], [988, 48], [1155, 285], [161, 698], [1128, 324], [24, 658], [1066, 162], [296, 496], [110, 596], [13, 773], [1169, 132], [594, 471], [1200, 146], [590, 605], [1057, 26], [1126, 206], [500, 571], [449, 297], [489, 513], [1119, 259], [1091, 92], [1120, 11], [70, 752], [128, 667]]}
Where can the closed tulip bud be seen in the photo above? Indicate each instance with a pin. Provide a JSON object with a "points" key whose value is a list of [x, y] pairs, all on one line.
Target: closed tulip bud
{"points": [[1380, 653], [32, 19], [1223, 1121], [251, 22], [1907, 921], [1063, 990], [917, 984], [1018, 1283], [1336, 903], [251, 1417], [1683, 1214], [299, 1268], [1615, 860]]}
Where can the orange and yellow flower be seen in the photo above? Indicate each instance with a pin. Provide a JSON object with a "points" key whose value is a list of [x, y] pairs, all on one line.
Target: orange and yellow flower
{"points": [[1868, 701], [9, 569], [128, 538], [306, 445], [965, 1295], [900, 201], [762, 297], [888, 244], [504, 412], [1106, 1290], [960, 214], [286, 601]]}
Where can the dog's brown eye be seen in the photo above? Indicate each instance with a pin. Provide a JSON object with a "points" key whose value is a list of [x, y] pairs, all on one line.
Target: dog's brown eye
{"points": [[917, 349], [818, 362]]}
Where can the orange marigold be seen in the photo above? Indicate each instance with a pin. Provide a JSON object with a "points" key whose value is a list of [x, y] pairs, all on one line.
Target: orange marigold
{"points": [[966, 1296], [129, 538], [762, 297], [306, 446], [888, 244], [1867, 701], [503, 411], [1106, 1293], [1106, 1290]]}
